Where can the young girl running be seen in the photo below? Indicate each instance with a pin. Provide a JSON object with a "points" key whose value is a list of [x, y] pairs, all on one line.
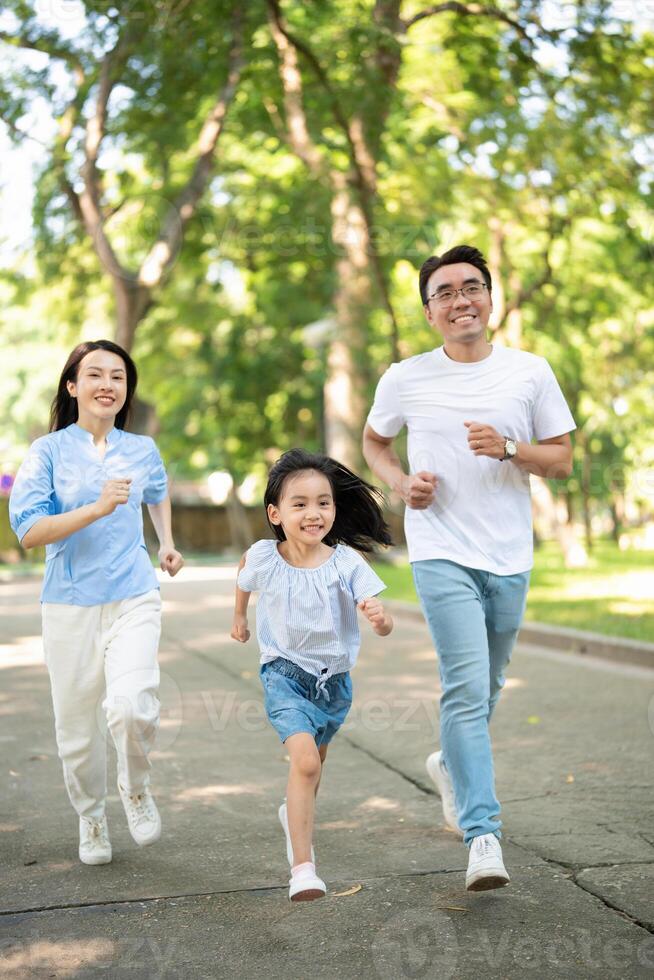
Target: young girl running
{"points": [[79, 493], [310, 583]]}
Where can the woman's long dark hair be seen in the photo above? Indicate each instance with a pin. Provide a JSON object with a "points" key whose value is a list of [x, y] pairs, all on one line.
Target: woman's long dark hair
{"points": [[63, 411], [359, 519]]}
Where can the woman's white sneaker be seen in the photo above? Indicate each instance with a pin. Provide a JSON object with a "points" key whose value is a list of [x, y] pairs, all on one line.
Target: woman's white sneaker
{"points": [[94, 843], [441, 777], [142, 815], [305, 885], [485, 865]]}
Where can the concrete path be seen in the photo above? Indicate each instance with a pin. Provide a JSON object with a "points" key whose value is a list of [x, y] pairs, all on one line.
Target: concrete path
{"points": [[573, 743]]}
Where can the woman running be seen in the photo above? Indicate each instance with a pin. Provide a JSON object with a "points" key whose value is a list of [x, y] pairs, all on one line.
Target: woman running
{"points": [[79, 493]]}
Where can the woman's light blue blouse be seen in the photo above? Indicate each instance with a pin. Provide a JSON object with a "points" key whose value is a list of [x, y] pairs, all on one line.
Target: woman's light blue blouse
{"points": [[106, 561], [309, 615]]}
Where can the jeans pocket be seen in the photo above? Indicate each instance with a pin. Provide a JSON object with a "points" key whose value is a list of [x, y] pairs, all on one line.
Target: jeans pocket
{"points": [[508, 607]]}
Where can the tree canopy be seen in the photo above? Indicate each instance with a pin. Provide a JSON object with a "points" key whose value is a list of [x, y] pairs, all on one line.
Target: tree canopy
{"points": [[215, 179]]}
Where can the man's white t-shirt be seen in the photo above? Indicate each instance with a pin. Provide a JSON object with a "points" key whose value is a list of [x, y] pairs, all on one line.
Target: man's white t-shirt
{"points": [[481, 514]]}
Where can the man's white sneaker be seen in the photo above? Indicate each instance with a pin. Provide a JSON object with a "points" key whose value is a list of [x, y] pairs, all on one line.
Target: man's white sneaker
{"points": [[142, 815], [283, 819], [305, 885], [441, 777], [485, 865], [94, 844]]}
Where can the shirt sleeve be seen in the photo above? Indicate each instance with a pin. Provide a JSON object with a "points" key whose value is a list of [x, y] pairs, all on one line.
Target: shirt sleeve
{"points": [[257, 561], [551, 415], [363, 581], [386, 416], [156, 488], [32, 495]]}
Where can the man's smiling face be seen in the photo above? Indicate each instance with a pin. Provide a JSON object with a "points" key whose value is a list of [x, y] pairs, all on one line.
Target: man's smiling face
{"points": [[463, 320]]}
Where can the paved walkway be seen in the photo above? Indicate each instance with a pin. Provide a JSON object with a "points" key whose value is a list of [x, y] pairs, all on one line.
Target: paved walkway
{"points": [[573, 741]]}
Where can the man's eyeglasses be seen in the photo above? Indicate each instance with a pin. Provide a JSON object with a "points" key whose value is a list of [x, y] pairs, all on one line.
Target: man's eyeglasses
{"points": [[472, 291]]}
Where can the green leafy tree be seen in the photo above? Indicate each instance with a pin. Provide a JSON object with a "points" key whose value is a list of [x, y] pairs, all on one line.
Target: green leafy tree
{"points": [[345, 142], [139, 99]]}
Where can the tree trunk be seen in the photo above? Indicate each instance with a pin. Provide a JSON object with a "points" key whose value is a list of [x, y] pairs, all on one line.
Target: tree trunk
{"points": [[574, 553], [616, 508], [513, 325], [554, 517], [585, 499], [345, 395], [132, 302]]}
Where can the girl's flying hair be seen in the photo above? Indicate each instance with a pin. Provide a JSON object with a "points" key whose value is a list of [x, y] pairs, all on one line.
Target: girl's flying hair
{"points": [[359, 519]]}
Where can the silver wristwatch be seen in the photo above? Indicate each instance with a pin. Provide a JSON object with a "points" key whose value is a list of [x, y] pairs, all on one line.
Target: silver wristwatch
{"points": [[510, 448]]}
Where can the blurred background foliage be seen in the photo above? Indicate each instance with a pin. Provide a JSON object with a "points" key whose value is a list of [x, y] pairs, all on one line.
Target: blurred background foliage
{"points": [[351, 140]]}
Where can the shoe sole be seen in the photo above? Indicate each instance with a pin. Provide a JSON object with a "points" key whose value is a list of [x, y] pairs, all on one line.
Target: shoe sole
{"points": [[148, 840], [434, 773], [95, 861], [309, 895], [486, 882]]}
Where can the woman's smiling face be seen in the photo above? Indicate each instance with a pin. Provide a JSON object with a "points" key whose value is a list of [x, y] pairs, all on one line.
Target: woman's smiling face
{"points": [[100, 387]]}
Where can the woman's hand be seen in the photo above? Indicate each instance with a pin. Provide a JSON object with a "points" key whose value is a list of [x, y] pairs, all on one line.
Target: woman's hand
{"points": [[376, 615], [170, 560], [240, 629], [114, 493]]}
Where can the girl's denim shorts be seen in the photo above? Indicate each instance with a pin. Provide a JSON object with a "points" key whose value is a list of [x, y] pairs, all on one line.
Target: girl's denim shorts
{"points": [[294, 704]]}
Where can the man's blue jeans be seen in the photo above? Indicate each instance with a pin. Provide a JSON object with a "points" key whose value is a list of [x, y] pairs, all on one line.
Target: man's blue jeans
{"points": [[474, 617]]}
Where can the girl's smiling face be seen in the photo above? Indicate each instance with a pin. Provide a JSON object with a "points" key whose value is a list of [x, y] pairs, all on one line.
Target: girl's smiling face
{"points": [[306, 509], [100, 387]]}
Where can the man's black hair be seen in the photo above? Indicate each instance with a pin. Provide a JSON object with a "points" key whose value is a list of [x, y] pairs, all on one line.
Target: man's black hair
{"points": [[460, 253]]}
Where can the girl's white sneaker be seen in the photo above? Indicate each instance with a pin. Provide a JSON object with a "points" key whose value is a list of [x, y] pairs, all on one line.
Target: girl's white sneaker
{"points": [[305, 885], [94, 843]]}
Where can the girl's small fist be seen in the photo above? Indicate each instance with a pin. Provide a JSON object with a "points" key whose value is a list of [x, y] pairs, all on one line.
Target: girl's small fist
{"points": [[240, 629], [370, 607], [374, 612]]}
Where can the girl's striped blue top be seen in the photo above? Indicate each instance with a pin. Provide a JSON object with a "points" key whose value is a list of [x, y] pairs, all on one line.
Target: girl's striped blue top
{"points": [[309, 615]]}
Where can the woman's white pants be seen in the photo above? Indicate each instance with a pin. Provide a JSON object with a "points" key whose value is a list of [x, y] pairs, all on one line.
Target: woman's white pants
{"points": [[104, 674]]}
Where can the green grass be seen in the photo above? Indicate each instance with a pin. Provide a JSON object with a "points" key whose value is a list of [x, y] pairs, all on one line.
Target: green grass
{"points": [[613, 595]]}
